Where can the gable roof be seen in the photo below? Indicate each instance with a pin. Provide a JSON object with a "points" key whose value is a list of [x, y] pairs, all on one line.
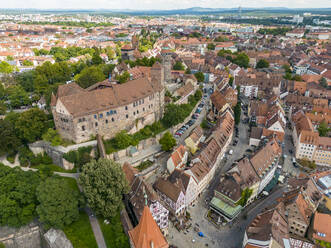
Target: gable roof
{"points": [[147, 233]]}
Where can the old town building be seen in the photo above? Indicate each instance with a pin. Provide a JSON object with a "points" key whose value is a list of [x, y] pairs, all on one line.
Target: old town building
{"points": [[106, 108]]}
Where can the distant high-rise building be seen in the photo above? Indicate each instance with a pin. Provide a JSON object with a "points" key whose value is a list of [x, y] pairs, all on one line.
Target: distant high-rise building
{"points": [[239, 12]]}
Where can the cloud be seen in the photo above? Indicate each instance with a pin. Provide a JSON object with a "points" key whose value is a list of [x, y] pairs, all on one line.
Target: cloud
{"points": [[161, 4]]}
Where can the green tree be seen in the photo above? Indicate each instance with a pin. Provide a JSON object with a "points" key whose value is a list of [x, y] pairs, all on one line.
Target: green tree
{"points": [[211, 46], [31, 125], [231, 81], [245, 195], [188, 71], [3, 108], [167, 141], [262, 63], [9, 141], [17, 96], [287, 68], [179, 66], [58, 203], [90, 76], [104, 185], [323, 82], [123, 78], [199, 76], [96, 59], [6, 68], [242, 60], [323, 128], [2, 91], [27, 63], [123, 140], [52, 136], [17, 196], [10, 58]]}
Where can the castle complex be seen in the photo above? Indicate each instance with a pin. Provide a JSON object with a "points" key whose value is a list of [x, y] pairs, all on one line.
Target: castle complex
{"points": [[106, 107]]}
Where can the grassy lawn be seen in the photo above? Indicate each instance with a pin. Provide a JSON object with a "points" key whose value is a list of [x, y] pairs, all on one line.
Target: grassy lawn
{"points": [[80, 233], [72, 183], [54, 168], [113, 233]]}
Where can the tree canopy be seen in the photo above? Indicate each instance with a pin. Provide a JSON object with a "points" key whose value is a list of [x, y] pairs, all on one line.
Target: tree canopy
{"points": [[179, 66], [31, 124], [90, 76], [104, 184], [262, 63], [17, 196], [9, 141], [323, 128], [167, 142], [58, 203], [199, 76]]}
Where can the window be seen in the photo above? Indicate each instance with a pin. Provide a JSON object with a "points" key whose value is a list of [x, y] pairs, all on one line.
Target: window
{"points": [[126, 107], [127, 116], [112, 119], [134, 113], [95, 117], [100, 115], [106, 121], [143, 109], [83, 128], [96, 124]]}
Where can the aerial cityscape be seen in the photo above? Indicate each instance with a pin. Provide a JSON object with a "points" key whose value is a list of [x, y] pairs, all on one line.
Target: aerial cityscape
{"points": [[160, 124]]}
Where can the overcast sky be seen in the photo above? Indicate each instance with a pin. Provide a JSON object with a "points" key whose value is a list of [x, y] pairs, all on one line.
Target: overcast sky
{"points": [[160, 4]]}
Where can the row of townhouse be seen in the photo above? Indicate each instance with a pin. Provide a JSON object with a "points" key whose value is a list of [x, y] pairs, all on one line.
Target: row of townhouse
{"points": [[285, 223], [307, 141], [249, 174], [187, 182], [269, 116]]}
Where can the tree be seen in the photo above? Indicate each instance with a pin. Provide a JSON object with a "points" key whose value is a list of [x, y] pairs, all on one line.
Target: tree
{"points": [[245, 195], [9, 141], [17, 96], [167, 141], [242, 60], [31, 125], [323, 82], [199, 76], [90, 76], [237, 113], [3, 108], [262, 63], [211, 46], [6, 68], [27, 63], [52, 136], [323, 128], [58, 203], [123, 140], [188, 71], [2, 91], [178, 66], [104, 184], [287, 68], [17, 196], [123, 78], [96, 59], [231, 81]]}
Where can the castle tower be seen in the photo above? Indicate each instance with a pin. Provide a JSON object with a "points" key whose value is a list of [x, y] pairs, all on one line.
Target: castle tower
{"points": [[157, 74], [166, 61]]}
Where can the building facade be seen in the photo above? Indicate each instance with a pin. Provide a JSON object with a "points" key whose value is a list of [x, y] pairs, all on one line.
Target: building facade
{"points": [[107, 108]]}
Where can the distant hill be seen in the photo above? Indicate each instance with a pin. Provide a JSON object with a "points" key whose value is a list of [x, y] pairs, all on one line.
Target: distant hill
{"points": [[188, 11]]}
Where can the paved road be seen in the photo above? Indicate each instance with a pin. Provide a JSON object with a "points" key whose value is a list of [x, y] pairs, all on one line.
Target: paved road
{"points": [[288, 164], [230, 236]]}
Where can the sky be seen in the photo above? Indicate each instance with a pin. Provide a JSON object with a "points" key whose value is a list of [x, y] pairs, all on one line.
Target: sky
{"points": [[160, 4]]}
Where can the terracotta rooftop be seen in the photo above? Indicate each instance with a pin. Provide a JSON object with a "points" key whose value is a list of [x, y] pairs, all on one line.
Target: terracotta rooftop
{"points": [[147, 233]]}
